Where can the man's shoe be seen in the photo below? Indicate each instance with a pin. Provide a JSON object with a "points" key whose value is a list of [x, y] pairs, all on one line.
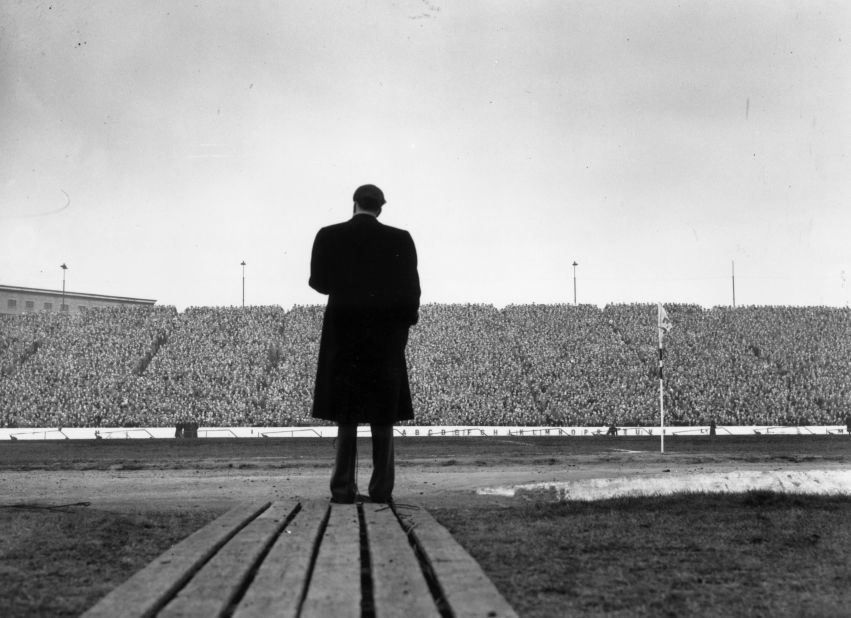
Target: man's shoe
{"points": [[388, 500], [342, 500]]}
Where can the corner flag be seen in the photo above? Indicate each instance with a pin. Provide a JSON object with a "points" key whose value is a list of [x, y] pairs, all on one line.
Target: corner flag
{"points": [[665, 323]]}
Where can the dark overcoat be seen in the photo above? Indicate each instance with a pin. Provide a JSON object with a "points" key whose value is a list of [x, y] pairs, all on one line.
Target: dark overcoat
{"points": [[369, 271]]}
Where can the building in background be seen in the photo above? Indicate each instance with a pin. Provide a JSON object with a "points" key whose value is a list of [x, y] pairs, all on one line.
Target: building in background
{"points": [[17, 300]]}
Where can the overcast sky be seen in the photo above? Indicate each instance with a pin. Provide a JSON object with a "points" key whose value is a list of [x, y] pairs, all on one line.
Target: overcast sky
{"points": [[153, 146]]}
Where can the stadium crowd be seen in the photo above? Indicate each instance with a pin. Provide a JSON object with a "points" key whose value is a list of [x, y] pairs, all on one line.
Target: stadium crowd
{"points": [[213, 369], [579, 370], [72, 371], [544, 365], [289, 395], [462, 367]]}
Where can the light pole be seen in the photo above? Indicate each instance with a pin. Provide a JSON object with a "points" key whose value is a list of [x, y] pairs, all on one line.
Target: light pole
{"points": [[243, 283], [575, 264], [64, 268]]}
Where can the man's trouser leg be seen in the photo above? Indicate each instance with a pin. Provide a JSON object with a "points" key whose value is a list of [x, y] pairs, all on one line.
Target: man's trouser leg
{"points": [[383, 463], [343, 482]]}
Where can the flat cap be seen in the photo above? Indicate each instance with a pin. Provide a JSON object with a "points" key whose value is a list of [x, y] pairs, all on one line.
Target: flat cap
{"points": [[369, 197]]}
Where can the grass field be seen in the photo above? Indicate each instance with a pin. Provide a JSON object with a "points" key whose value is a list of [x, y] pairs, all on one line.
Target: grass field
{"points": [[743, 554], [751, 554], [59, 562]]}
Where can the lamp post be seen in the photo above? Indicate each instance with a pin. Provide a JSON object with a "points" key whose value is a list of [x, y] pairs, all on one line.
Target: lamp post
{"points": [[243, 283], [575, 264], [64, 268]]}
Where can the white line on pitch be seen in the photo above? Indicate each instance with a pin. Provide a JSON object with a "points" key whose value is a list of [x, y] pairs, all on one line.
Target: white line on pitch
{"points": [[514, 442]]}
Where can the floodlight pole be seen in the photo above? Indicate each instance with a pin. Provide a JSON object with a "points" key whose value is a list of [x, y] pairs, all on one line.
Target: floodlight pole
{"points": [[575, 264], [64, 268], [243, 283]]}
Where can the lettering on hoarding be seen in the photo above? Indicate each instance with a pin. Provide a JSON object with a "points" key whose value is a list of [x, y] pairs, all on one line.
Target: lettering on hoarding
{"points": [[574, 431]]}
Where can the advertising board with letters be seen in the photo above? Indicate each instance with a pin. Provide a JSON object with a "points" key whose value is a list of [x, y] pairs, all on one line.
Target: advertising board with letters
{"points": [[413, 431]]}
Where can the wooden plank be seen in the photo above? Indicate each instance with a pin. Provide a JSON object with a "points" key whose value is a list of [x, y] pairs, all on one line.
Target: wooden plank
{"points": [[149, 589], [278, 586], [466, 588], [335, 587], [213, 589], [398, 583]]}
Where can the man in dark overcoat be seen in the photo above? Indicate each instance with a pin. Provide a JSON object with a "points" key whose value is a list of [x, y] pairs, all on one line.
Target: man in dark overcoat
{"points": [[369, 271]]}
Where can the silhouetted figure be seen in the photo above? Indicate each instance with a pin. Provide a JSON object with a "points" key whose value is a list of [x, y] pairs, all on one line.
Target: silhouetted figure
{"points": [[369, 272], [186, 429]]}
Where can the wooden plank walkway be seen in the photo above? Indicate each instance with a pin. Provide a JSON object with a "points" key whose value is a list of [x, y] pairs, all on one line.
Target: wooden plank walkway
{"points": [[311, 558]]}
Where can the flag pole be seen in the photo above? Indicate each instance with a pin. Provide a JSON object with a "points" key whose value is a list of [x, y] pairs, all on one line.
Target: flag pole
{"points": [[661, 396], [663, 325]]}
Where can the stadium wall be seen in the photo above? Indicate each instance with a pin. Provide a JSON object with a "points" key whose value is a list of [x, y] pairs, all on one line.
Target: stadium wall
{"points": [[330, 431]]}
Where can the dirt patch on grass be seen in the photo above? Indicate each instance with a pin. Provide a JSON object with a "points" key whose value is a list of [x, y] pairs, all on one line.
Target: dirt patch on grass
{"points": [[825, 482]]}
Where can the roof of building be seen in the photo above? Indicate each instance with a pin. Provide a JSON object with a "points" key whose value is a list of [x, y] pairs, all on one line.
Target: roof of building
{"points": [[101, 297]]}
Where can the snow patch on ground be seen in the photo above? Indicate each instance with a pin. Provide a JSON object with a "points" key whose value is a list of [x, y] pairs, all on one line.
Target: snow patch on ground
{"points": [[826, 482]]}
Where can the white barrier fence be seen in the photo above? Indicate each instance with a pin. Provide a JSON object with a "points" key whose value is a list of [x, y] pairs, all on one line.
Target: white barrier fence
{"points": [[330, 431]]}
